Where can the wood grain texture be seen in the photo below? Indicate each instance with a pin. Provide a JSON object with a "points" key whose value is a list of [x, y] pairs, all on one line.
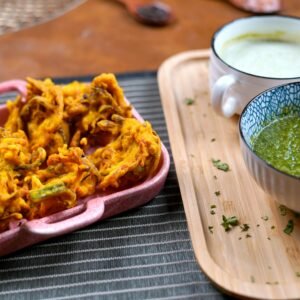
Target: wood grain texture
{"points": [[262, 262], [100, 36]]}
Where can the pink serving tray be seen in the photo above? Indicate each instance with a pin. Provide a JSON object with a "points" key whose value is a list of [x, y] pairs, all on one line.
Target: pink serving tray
{"points": [[89, 210]]}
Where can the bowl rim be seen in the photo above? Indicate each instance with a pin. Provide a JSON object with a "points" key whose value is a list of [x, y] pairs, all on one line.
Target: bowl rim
{"points": [[218, 31], [265, 163]]}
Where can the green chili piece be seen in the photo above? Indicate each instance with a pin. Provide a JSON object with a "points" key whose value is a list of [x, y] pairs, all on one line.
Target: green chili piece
{"points": [[48, 190]]}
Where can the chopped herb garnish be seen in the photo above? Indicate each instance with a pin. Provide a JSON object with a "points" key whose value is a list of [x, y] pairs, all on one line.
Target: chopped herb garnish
{"points": [[220, 165], [210, 228], [283, 210], [273, 227], [248, 235], [213, 206], [289, 227], [257, 225], [245, 227], [217, 193], [212, 212], [213, 140], [215, 177], [265, 218], [189, 101], [229, 222], [269, 238]]}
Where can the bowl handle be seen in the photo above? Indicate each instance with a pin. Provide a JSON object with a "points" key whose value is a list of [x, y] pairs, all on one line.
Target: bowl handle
{"points": [[93, 210], [14, 85]]}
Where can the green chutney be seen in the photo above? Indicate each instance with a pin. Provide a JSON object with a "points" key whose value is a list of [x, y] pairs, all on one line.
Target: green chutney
{"points": [[279, 144]]}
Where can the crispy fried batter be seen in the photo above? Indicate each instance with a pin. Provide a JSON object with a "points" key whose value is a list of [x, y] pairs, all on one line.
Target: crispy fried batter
{"points": [[68, 142], [103, 99], [13, 153], [131, 157]]}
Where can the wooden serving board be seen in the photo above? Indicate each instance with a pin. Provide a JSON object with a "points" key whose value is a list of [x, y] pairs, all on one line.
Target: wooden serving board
{"points": [[262, 262]]}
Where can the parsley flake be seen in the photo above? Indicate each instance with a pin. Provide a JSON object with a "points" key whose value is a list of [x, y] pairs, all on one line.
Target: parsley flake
{"points": [[220, 165], [283, 210], [245, 227], [229, 223], [217, 193], [289, 227], [210, 228], [189, 101]]}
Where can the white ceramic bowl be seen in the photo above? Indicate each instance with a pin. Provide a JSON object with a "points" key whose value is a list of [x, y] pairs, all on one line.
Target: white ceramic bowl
{"points": [[263, 109], [230, 87]]}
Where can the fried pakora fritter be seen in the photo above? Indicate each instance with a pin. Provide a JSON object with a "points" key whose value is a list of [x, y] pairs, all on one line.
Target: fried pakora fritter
{"points": [[131, 157], [41, 116], [99, 103], [13, 153], [69, 142]]}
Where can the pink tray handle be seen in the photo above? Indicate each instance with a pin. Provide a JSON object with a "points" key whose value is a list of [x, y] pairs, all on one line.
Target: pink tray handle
{"points": [[93, 211], [14, 85]]}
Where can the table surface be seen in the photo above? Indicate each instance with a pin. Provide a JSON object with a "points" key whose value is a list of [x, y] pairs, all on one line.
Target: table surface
{"points": [[100, 36], [144, 253]]}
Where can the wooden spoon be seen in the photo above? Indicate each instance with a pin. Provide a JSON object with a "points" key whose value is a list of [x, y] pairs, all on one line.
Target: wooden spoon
{"points": [[151, 13], [258, 6]]}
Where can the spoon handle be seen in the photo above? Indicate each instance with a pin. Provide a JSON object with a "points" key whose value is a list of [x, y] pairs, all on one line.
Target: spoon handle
{"points": [[130, 4], [149, 12], [258, 6]]}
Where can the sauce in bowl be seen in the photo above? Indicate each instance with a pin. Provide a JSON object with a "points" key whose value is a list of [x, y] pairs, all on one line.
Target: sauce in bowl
{"points": [[279, 144]]}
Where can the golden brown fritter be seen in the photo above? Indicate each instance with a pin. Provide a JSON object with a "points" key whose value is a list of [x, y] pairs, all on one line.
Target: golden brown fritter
{"points": [[13, 153], [41, 116], [69, 142], [130, 158], [103, 99]]}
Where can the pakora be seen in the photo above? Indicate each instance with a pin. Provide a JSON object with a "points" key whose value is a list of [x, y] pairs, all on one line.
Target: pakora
{"points": [[68, 142]]}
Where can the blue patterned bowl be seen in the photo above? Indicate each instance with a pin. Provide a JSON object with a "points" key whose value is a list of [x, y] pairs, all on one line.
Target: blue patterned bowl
{"points": [[260, 111]]}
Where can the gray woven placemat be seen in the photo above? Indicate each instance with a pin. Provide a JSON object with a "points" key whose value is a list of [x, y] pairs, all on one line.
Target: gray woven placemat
{"points": [[145, 253], [20, 14]]}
